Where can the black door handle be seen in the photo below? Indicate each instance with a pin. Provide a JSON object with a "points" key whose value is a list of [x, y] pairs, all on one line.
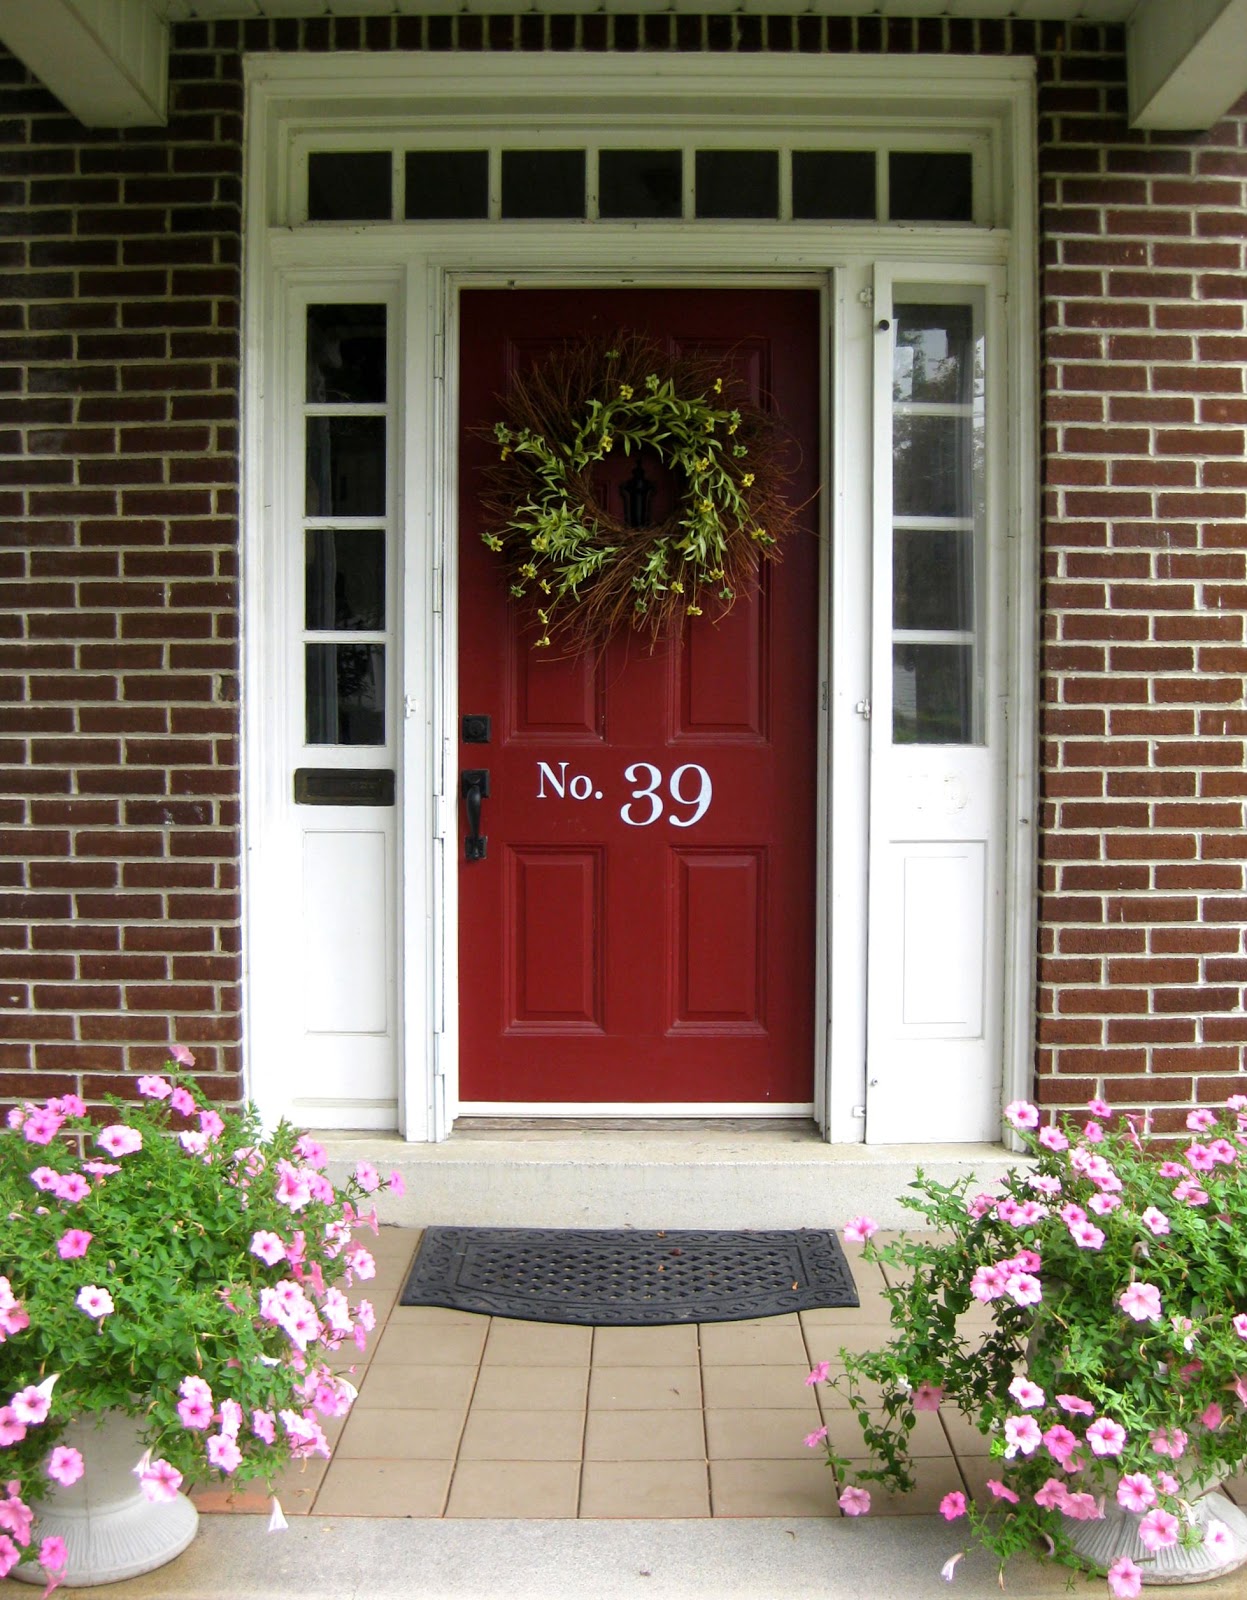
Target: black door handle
{"points": [[474, 787]]}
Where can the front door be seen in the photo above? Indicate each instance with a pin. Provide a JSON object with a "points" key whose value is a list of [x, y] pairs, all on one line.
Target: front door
{"points": [[641, 929]]}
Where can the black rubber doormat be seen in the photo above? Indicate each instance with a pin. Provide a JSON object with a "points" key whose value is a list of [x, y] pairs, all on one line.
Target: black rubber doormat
{"points": [[629, 1278]]}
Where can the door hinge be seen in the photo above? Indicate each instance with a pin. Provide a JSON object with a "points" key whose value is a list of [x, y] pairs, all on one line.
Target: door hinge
{"points": [[824, 694], [863, 710], [436, 586], [439, 816], [439, 355], [439, 1055]]}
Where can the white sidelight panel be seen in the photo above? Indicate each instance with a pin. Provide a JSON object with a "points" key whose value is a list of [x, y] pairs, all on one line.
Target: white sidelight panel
{"points": [[941, 917], [346, 913]]}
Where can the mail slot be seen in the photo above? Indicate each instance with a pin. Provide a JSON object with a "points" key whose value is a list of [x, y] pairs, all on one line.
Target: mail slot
{"points": [[344, 786]]}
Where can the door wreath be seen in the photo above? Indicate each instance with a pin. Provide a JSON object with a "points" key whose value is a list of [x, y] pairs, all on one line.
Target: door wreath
{"points": [[586, 569]]}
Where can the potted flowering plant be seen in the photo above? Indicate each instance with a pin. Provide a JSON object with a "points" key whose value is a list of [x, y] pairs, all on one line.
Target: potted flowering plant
{"points": [[177, 1266], [1105, 1351]]}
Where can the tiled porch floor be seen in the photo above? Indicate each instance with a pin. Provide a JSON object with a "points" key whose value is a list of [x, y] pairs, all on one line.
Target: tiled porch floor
{"points": [[462, 1415]]}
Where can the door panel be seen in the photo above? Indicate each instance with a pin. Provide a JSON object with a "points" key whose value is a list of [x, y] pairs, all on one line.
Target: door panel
{"points": [[641, 930]]}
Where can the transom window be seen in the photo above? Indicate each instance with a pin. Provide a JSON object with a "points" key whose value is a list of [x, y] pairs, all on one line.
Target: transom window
{"points": [[853, 182]]}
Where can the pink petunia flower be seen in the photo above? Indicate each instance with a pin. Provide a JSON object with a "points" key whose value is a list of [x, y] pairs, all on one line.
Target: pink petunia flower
{"points": [[1099, 1108], [1021, 1114], [1022, 1433], [1141, 1301], [1087, 1236], [1082, 1508], [1190, 1193], [1169, 1442], [361, 1264], [64, 1465], [818, 1373], [41, 1126], [858, 1229], [927, 1397], [813, 1440], [1172, 1169], [269, 1247], [12, 1428], [1002, 1491], [1201, 1120], [53, 1558], [1239, 1324], [367, 1177], [1024, 1289], [1052, 1139], [988, 1283], [1075, 1405], [1136, 1492], [1167, 1483], [397, 1184], [153, 1087], [10, 1555], [953, 1505], [211, 1125], [264, 1425], [180, 1054], [1212, 1416], [1052, 1496], [854, 1502], [1027, 1394], [1125, 1580], [1106, 1437], [158, 1480], [1217, 1537], [1158, 1529], [1060, 1442], [71, 1187], [32, 1404], [45, 1178], [223, 1452], [119, 1140], [1223, 1153], [1093, 1133], [1156, 1220], [1103, 1204], [96, 1302], [182, 1101], [73, 1243]]}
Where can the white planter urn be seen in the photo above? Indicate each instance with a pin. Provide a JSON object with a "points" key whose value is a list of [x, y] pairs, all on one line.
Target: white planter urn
{"points": [[1117, 1534], [111, 1530]]}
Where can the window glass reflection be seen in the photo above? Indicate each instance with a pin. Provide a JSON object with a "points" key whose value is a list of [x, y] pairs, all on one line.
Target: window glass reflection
{"points": [[345, 693], [932, 694], [345, 354], [345, 579], [345, 466]]}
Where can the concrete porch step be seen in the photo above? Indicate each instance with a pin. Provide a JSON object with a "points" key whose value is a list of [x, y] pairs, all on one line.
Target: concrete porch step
{"points": [[655, 1178]]}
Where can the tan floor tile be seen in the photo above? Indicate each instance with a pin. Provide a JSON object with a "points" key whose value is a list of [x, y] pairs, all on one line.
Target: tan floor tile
{"points": [[645, 1436], [384, 1489], [501, 1489], [644, 1388], [385, 1434], [501, 1388], [757, 1434], [826, 1343], [873, 1309], [772, 1489], [644, 1489], [646, 1347], [433, 1317], [767, 1343], [537, 1344], [778, 1388], [416, 1388], [523, 1436], [964, 1437], [413, 1344], [934, 1478]]}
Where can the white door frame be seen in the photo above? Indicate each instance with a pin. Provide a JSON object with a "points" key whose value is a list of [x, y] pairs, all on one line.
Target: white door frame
{"points": [[287, 97]]}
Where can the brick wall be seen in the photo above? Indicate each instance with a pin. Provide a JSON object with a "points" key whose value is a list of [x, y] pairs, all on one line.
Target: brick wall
{"points": [[1142, 961], [119, 915]]}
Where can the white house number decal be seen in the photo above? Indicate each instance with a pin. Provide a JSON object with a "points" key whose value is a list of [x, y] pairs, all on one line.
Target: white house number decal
{"points": [[688, 786]]}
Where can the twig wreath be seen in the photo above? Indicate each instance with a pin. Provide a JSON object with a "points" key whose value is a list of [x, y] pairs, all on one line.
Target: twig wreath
{"points": [[585, 571]]}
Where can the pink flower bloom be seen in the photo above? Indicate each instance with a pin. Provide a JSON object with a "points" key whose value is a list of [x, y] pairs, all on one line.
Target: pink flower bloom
{"points": [[818, 1374], [195, 1412], [119, 1140], [193, 1141], [12, 1428], [1223, 1152], [1022, 1433], [45, 1178], [65, 1465], [180, 1054], [979, 1206], [12, 1320], [1141, 1301], [311, 1151], [32, 1404], [1169, 1442], [1024, 1289], [1087, 1236], [1075, 1405], [813, 1440], [988, 1283], [1092, 1132], [10, 1555], [1199, 1157], [1027, 1261], [1212, 1416], [159, 1480], [73, 1243], [1217, 1538], [927, 1397], [53, 1558], [1190, 1192], [1156, 1220], [1001, 1491], [182, 1101], [72, 1187], [153, 1087], [1027, 1394], [1099, 1108], [1021, 1114], [857, 1230], [268, 1246], [96, 1302], [953, 1505], [292, 1189], [1239, 1324], [1200, 1121], [1106, 1437], [264, 1425], [1172, 1169], [1125, 1580], [1136, 1492], [855, 1502], [367, 1176], [397, 1184], [1060, 1442], [1236, 1102], [1052, 1496], [210, 1125], [1071, 1215], [1167, 1483], [361, 1264], [1044, 1183], [1082, 1507], [1158, 1529], [100, 1169], [42, 1126], [1052, 1139], [223, 1452]]}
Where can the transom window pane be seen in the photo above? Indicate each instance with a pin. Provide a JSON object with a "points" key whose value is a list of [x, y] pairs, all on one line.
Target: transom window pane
{"points": [[930, 186], [349, 186], [838, 185], [543, 183], [737, 183], [447, 185], [640, 183]]}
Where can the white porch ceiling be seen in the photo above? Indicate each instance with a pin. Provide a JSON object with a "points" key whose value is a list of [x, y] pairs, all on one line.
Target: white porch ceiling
{"points": [[107, 60]]}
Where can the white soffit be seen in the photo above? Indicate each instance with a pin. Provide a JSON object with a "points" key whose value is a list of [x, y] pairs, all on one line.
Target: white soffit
{"points": [[1187, 61], [107, 61]]}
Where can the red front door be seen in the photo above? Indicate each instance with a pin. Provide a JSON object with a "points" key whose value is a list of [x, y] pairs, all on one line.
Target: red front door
{"points": [[641, 929]]}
